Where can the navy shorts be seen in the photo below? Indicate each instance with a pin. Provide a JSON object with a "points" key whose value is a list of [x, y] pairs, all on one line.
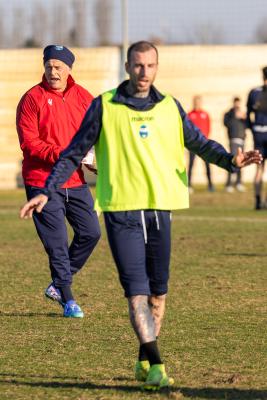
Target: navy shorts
{"points": [[260, 143], [140, 243]]}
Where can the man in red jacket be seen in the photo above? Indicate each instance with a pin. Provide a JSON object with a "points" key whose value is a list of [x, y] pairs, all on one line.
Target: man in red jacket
{"points": [[48, 116], [201, 119]]}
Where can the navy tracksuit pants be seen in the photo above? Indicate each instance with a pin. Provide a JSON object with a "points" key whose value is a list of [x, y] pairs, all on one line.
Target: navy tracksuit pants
{"points": [[140, 242], [75, 205]]}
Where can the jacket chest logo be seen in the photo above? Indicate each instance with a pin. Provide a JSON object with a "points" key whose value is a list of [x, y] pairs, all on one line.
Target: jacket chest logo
{"points": [[50, 102]]}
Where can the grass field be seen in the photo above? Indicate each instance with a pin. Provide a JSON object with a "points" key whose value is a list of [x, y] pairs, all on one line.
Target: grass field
{"points": [[214, 336]]}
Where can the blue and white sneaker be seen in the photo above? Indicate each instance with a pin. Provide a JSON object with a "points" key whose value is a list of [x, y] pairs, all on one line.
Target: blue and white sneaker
{"points": [[52, 293], [72, 310]]}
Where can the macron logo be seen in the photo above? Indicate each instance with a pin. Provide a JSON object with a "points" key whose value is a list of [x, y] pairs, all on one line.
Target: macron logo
{"points": [[50, 102]]}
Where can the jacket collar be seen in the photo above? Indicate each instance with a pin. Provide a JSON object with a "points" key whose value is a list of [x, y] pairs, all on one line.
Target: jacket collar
{"points": [[70, 83], [121, 96]]}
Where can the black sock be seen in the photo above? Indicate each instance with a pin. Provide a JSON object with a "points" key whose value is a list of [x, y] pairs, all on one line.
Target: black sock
{"points": [[142, 353], [152, 352], [66, 293]]}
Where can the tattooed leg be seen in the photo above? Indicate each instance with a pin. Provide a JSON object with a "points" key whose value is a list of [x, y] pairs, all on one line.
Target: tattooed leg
{"points": [[157, 306], [141, 318]]}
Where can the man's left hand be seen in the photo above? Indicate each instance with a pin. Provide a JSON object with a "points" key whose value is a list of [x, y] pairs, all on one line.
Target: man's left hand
{"points": [[242, 159]]}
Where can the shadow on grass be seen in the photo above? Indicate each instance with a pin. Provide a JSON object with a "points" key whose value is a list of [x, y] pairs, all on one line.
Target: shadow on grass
{"points": [[22, 376], [205, 393], [224, 393], [42, 376], [245, 254], [30, 314]]}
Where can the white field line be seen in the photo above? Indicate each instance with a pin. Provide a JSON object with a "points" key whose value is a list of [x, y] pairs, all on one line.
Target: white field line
{"points": [[215, 219], [176, 217]]}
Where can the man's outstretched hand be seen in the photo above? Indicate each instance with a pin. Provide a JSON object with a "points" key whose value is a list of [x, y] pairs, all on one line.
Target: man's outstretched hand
{"points": [[37, 203], [242, 159]]}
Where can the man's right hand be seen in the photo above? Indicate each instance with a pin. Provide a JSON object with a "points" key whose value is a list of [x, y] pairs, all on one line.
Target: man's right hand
{"points": [[37, 203]]}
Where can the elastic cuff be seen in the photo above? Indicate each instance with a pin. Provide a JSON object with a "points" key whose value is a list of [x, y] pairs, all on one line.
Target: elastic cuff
{"points": [[46, 192]]}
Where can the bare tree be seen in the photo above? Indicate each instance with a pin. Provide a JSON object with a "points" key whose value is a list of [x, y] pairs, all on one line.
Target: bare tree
{"points": [[3, 38], [77, 35], [208, 33], [156, 40], [261, 32], [60, 22], [19, 20], [39, 23], [103, 20], [30, 43]]}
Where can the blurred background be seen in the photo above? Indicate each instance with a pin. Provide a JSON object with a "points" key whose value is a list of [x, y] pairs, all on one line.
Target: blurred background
{"points": [[215, 49], [86, 23]]}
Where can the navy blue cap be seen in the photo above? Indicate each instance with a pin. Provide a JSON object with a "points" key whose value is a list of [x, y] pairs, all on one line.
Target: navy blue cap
{"points": [[59, 53]]}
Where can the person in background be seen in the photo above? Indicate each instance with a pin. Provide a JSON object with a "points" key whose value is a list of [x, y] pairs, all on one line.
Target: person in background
{"points": [[257, 122], [137, 188], [235, 122], [201, 119], [48, 116]]}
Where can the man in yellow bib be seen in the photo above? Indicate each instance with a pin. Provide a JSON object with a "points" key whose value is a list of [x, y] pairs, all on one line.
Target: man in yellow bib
{"points": [[139, 136]]}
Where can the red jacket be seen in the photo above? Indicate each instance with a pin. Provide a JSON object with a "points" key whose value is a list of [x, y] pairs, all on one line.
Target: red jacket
{"points": [[201, 119], [46, 122]]}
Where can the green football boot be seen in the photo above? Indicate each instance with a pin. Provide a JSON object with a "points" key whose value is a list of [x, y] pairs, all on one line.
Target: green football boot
{"points": [[141, 370], [157, 378]]}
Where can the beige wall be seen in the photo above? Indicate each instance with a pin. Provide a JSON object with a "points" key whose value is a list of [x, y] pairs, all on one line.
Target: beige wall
{"points": [[216, 72]]}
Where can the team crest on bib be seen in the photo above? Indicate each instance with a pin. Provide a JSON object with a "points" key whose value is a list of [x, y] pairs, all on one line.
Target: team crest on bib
{"points": [[144, 131]]}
